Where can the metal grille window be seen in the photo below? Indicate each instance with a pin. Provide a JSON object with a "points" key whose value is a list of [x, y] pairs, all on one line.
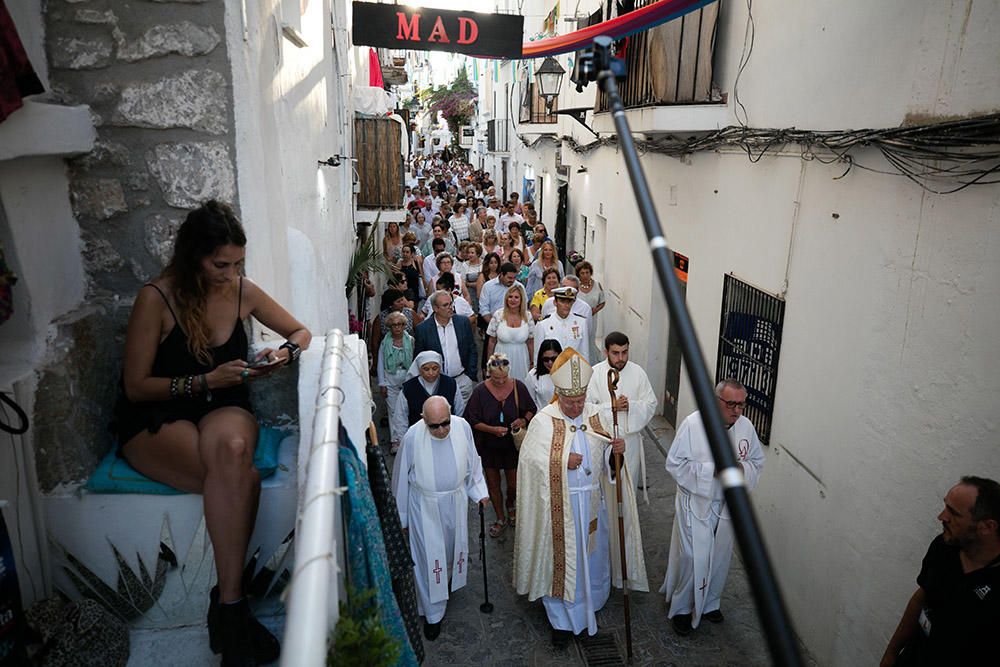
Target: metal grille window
{"points": [[749, 343]]}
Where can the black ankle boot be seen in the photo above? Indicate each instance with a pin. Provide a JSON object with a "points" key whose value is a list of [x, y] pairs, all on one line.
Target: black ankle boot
{"points": [[266, 648], [233, 634]]}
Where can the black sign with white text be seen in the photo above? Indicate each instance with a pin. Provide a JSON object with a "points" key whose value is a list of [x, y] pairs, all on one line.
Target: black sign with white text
{"points": [[426, 29]]}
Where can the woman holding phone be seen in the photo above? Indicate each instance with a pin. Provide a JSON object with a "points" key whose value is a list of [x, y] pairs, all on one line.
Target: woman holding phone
{"points": [[185, 417]]}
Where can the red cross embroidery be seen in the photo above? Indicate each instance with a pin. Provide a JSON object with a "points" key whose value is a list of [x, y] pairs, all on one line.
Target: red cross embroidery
{"points": [[437, 572], [461, 559]]}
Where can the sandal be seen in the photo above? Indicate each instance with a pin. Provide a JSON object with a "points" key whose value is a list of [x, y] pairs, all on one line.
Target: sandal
{"points": [[496, 530], [511, 516]]}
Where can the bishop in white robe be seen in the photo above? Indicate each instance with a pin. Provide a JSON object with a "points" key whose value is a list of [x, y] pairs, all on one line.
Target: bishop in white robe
{"points": [[701, 544], [438, 469], [634, 393], [566, 539]]}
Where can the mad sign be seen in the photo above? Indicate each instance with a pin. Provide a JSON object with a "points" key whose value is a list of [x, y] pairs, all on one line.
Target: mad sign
{"points": [[426, 29]]}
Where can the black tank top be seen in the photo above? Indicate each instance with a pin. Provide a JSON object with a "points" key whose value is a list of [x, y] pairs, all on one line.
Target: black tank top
{"points": [[174, 358]]}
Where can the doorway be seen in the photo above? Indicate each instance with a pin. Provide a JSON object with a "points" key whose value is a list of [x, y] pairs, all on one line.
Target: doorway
{"points": [[672, 382], [561, 208], [503, 179]]}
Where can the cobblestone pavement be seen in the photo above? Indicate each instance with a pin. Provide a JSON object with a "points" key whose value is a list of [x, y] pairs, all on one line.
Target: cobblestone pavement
{"points": [[518, 633]]}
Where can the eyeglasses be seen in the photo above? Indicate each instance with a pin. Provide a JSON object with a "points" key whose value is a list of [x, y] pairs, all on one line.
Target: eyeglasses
{"points": [[446, 424], [548, 360], [500, 362], [732, 405]]}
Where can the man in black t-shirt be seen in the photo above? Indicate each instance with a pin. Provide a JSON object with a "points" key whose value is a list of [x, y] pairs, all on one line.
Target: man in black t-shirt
{"points": [[954, 615]]}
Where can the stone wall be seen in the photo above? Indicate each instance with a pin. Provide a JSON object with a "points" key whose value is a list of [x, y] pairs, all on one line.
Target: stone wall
{"points": [[156, 76]]}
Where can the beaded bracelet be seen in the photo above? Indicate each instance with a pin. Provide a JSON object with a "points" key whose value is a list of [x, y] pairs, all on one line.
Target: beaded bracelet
{"points": [[173, 387], [189, 386]]}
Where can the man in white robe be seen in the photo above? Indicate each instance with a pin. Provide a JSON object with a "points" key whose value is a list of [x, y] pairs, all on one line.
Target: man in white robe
{"points": [[701, 544], [635, 400], [438, 469], [566, 539]]}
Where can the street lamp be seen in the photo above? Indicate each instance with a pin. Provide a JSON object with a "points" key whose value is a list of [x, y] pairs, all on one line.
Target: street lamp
{"points": [[549, 74]]}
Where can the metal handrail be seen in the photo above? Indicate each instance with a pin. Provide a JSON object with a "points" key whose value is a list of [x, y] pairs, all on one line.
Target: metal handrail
{"points": [[311, 595]]}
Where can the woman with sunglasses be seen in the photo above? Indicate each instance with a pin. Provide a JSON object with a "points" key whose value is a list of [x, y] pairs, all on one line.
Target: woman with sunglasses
{"points": [[497, 406], [539, 382]]}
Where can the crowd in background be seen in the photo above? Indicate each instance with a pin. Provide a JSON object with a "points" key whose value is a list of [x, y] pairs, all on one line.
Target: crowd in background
{"points": [[472, 279]]}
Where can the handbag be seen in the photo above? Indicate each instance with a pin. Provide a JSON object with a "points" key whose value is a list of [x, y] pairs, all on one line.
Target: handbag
{"points": [[518, 434]]}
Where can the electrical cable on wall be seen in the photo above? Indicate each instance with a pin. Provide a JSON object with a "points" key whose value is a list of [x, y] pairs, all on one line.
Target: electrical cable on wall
{"points": [[965, 152]]}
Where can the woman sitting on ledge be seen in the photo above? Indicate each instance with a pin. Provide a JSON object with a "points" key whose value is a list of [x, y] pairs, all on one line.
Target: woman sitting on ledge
{"points": [[185, 417]]}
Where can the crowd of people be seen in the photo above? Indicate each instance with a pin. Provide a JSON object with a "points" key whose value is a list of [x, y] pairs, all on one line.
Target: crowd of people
{"points": [[547, 439], [473, 278]]}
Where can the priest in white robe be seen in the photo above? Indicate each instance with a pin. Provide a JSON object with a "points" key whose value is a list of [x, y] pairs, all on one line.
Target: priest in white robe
{"points": [[701, 544], [566, 538], [635, 399], [438, 469]]}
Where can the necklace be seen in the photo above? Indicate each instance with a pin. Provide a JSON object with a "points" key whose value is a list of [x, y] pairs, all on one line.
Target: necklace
{"points": [[586, 286]]}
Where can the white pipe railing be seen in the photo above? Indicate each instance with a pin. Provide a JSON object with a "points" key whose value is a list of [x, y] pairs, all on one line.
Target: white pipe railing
{"points": [[312, 602]]}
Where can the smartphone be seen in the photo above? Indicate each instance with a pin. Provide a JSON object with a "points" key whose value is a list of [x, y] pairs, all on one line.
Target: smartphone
{"points": [[264, 363]]}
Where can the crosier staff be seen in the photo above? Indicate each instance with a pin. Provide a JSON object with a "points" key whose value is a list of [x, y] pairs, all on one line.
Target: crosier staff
{"points": [[613, 378]]}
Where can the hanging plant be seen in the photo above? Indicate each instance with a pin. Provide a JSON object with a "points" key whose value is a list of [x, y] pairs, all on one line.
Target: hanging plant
{"points": [[360, 639], [367, 258]]}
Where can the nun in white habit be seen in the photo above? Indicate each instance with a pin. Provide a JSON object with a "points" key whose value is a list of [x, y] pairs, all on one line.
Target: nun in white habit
{"points": [[438, 469]]}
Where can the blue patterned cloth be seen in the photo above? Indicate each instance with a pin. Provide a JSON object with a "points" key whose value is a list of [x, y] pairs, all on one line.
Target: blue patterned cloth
{"points": [[367, 564]]}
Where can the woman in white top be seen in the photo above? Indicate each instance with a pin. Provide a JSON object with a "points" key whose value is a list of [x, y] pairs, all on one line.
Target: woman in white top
{"points": [[539, 381], [511, 331]]}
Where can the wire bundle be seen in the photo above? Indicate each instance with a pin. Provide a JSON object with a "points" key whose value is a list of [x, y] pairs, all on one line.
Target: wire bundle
{"points": [[960, 152]]}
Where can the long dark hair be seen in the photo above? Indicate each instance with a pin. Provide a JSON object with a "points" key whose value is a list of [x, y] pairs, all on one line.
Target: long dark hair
{"points": [[548, 345], [206, 229], [486, 265]]}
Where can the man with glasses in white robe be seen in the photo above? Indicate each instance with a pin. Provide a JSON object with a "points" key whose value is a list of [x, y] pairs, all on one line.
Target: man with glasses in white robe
{"points": [[701, 544], [438, 469]]}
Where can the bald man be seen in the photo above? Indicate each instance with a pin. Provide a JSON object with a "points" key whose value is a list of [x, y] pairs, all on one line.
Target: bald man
{"points": [[438, 469]]}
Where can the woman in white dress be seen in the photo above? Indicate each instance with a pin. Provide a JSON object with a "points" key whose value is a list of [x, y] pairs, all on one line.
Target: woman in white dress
{"points": [[511, 331], [539, 382]]}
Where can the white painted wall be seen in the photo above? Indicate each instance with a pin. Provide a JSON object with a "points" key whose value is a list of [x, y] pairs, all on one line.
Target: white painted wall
{"points": [[887, 382], [292, 110]]}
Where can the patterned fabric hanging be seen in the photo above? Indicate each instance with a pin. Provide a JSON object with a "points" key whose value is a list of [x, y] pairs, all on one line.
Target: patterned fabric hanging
{"points": [[396, 547], [368, 566]]}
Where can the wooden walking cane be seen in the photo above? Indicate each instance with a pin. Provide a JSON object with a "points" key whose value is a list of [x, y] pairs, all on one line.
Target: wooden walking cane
{"points": [[612, 387]]}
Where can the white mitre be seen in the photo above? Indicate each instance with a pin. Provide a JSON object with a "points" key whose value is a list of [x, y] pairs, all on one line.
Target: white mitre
{"points": [[571, 373]]}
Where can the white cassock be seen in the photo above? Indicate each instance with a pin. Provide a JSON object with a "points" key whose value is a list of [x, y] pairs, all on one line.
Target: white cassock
{"points": [[570, 332], [642, 404], [701, 544], [434, 479], [572, 575]]}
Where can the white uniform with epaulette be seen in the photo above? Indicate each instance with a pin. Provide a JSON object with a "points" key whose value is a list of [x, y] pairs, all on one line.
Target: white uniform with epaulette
{"points": [[570, 332]]}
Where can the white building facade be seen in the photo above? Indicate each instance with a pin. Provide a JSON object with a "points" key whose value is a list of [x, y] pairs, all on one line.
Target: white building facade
{"points": [[887, 382]]}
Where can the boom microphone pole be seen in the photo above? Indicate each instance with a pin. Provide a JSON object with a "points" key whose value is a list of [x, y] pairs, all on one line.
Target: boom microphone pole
{"points": [[781, 638]]}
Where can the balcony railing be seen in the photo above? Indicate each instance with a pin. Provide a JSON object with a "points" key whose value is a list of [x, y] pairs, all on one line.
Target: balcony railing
{"points": [[533, 108], [498, 135], [670, 64]]}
